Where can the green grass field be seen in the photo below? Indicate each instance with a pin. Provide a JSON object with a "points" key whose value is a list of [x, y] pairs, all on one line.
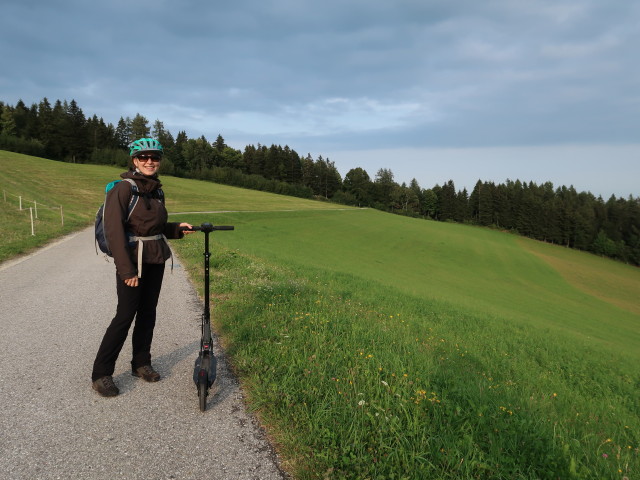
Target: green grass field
{"points": [[79, 189], [373, 346], [480, 270], [401, 348]]}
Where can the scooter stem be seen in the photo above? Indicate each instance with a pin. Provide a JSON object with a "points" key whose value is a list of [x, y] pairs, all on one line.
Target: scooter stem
{"points": [[207, 256]]}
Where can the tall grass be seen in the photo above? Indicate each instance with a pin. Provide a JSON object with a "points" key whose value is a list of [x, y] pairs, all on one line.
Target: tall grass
{"points": [[364, 370]]}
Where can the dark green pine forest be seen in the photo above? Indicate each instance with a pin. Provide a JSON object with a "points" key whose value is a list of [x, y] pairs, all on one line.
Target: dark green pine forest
{"points": [[559, 215]]}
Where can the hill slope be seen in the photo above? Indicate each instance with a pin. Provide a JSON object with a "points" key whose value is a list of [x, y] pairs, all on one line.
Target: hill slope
{"points": [[473, 269], [403, 347], [78, 190]]}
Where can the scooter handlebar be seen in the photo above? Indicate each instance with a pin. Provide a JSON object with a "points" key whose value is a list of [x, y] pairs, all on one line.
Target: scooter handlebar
{"points": [[207, 227]]}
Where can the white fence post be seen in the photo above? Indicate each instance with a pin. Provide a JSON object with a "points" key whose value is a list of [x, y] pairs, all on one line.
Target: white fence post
{"points": [[31, 212]]}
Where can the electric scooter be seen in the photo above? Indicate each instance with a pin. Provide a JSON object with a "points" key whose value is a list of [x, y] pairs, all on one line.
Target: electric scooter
{"points": [[204, 372]]}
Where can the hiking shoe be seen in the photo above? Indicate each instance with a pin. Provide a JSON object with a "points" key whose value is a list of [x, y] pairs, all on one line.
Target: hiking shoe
{"points": [[105, 387], [147, 373]]}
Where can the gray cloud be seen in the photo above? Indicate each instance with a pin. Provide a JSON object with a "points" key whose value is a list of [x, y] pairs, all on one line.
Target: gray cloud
{"points": [[337, 75]]}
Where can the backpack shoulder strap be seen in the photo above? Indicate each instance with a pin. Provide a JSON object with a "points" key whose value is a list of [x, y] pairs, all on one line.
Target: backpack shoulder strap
{"points": [[134, 185], [134, 197]]}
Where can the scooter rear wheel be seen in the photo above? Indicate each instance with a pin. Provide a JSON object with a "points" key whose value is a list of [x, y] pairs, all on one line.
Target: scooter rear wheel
{"points": [[202, 394]]}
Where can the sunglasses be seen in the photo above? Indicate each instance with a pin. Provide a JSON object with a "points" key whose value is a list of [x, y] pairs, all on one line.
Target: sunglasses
{"points": [[145, 158]]}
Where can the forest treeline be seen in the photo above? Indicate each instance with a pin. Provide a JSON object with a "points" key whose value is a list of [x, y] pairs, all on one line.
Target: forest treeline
{"points": [[557, 215]]}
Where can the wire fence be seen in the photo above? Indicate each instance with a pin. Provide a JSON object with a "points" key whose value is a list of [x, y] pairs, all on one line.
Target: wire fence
{"points": [[24, 204]]}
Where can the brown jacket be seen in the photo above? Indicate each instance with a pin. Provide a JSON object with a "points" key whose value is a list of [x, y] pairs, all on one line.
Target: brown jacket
{"points": [[149, 217]]}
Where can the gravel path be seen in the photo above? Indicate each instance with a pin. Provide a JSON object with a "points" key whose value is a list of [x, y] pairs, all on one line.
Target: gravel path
{"points": [[54, 308]]}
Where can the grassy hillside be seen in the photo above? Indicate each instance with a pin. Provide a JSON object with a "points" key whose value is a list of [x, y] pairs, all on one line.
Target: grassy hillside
{"points": [[78, 189], [376, 346], [478, 270]]}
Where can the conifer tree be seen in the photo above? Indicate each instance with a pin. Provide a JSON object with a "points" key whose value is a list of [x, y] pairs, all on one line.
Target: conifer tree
{"points": [[20, 119], [177, 157], [47, 132], [382, 187], [293, 166], [447, 201], [123, 133], [76, 134], [462, 206], [485, 203], [219, 144], [139, 128], [7, 122]]}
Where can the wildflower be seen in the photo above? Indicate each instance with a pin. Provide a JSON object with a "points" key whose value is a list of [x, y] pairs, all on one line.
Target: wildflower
{"points": [[604, 455], [361, 403]]}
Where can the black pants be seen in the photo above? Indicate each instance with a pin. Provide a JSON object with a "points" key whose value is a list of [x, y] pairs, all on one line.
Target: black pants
{"points": [[133, 302]]}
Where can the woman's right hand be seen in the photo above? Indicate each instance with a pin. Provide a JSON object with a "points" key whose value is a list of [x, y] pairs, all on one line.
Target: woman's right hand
{"points": [[131, 282]]}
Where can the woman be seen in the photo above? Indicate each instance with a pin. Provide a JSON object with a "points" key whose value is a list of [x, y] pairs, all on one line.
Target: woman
{"points": [[137, 240]]}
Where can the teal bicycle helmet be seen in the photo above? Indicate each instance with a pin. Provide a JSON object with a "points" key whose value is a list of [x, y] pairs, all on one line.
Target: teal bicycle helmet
{"points": [[144, 145]]}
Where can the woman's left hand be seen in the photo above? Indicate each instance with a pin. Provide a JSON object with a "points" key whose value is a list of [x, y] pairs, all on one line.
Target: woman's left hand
{"points": [[187, 225]]}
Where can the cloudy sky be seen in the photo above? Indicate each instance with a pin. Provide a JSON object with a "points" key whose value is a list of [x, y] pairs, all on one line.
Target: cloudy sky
{"points": [[540, 90]]}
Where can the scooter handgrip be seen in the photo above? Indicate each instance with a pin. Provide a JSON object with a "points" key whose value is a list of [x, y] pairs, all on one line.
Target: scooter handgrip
{"points": [[223, 227]]}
